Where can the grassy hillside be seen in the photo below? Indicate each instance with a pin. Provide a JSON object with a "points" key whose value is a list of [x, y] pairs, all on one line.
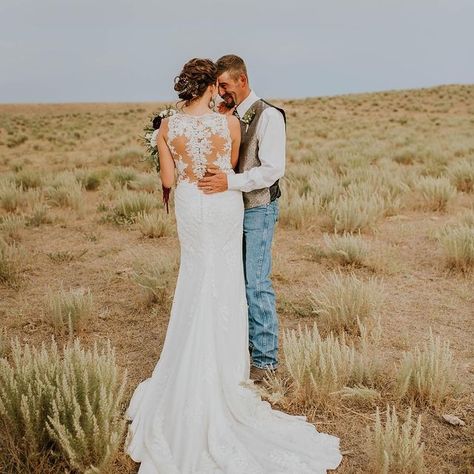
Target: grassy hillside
{"points": [[376, 221]]}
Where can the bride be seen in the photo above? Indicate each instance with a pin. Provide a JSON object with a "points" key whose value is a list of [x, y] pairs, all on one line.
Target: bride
{"points": [[198, 412]]}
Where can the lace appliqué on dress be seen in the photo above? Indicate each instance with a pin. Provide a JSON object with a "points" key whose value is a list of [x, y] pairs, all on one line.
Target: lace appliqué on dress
{"points": [[196, 141]]}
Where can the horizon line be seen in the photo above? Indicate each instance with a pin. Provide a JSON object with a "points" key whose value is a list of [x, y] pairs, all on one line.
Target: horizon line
{"points": [[272, 98]]}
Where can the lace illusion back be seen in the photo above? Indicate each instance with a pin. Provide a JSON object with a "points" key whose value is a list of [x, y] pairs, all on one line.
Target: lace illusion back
{"points": [[195, 141], [198, 412]]}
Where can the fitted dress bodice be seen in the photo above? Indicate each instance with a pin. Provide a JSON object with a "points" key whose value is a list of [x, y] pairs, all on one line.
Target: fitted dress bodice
{"points": [[195, 141]]}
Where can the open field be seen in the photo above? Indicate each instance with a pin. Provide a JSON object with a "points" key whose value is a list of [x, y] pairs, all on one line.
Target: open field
{"points": [[378, 194]]}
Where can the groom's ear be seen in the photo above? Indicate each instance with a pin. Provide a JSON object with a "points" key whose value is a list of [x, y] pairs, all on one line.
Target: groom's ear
{"points": [[243, 79]]}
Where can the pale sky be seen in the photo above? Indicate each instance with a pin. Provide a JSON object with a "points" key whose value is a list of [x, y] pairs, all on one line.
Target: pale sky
{"points": [[130, 50]]}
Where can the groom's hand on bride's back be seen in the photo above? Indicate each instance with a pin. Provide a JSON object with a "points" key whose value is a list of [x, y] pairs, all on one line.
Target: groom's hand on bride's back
{"points": [[215, 180]]}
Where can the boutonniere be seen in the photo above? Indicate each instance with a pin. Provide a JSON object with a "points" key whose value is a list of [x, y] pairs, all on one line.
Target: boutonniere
{"points": [[248, 117]]}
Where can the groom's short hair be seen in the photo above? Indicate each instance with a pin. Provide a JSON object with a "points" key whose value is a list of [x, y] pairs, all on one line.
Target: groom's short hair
{"points": [[233, 64]]}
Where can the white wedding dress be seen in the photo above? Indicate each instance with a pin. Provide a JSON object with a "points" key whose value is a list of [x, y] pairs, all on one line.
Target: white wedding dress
{"points": [[199, 413]]}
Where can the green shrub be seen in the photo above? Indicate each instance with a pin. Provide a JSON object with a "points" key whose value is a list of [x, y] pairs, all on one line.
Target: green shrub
{"points": [[60, 410]]}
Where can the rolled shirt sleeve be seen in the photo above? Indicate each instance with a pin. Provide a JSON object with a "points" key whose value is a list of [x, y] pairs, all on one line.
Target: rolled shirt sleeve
{"points": [[271, 135]]}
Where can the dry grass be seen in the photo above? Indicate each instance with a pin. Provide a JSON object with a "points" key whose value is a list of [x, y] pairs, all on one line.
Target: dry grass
{"points": [[467, 218], [429, 375], [11, 227], [12, 261], [396, 447], [322, 371], [358, 209], [436, 193], [340, 300], [12, 197], [317, 367], [29, 179], [4, 343], [297, 210], [346, 249], [123, 177], [130, 205], [154, 225], [361, 394], [458, 246], [39, 215], [354, 162], [70, 311], [154, 275], [462, 175], [63, 190], [89, 179]]}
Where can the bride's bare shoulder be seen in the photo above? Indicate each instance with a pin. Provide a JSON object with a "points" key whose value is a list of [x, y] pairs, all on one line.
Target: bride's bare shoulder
{"points": [[233, 121], [234, 126], [165, 122]]}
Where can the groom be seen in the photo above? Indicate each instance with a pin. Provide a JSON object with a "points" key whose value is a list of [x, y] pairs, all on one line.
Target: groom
{"points": [[261, 164]]}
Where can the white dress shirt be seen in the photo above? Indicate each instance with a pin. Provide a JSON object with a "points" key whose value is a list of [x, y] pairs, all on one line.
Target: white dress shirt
{"points": [[271, 136]]}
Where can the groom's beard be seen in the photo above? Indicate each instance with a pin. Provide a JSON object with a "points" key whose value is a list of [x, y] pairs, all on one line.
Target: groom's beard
{"points": [[228, 101]]}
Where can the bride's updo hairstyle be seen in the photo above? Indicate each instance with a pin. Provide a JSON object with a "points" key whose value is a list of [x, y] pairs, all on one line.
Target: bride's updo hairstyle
{"points": [[196, 75]]}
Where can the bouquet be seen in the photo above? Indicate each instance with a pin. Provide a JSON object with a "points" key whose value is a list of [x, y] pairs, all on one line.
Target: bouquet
{"points": [[151, 132]]}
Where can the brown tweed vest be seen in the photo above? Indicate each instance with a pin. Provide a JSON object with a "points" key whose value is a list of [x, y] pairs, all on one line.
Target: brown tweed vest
{"points": [[248, 157]]}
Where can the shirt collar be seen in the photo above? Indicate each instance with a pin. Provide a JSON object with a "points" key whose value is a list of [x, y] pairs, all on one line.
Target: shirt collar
{"points": [[246, 103]]}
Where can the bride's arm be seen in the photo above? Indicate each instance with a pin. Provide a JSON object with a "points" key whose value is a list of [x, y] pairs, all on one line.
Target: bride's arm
{"points": [[234, 127], [166, 159]]}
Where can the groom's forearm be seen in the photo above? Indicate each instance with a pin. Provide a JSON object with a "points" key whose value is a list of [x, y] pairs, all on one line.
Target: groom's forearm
{"points": [[254, 178]]}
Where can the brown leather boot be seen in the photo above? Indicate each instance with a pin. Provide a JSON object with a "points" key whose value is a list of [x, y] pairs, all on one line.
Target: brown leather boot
{"points": [[257, 374]]}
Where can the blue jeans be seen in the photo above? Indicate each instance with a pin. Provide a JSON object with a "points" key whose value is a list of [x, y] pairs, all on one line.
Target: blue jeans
{"points": [[259, 224]]}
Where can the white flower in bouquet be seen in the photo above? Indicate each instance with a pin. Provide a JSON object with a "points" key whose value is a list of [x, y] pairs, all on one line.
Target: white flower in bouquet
{"points": [[153, 137]]}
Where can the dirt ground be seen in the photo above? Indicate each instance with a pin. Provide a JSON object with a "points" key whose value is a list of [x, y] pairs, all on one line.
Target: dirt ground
{"points": [[419, 291]]}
